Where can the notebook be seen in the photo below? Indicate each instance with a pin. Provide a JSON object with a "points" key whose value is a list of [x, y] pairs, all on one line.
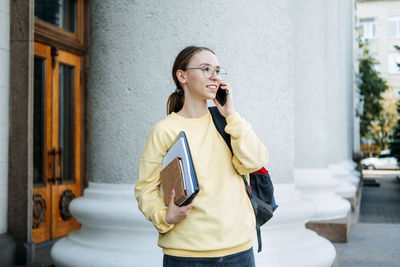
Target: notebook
{"points": [[172, 177], [180, 149]]}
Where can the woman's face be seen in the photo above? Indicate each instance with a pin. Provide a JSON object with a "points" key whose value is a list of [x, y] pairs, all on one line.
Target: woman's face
{"points": [[197, 84]]}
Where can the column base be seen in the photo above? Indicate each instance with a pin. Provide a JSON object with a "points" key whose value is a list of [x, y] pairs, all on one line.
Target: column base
{"points": [[113, 233], [345, 189], [352, 201], [286, 241], [318, 185], [336, 262], [334, 230]]}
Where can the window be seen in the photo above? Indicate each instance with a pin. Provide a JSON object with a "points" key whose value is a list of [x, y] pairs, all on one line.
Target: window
{"points": [[393, 60], [394, 26], [377, 66], [62, 13], [397, 90], [368, 28]]}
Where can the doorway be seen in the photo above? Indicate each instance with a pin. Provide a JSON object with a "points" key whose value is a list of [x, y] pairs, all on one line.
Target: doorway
{"points": [[58, 128], [57, 134]]}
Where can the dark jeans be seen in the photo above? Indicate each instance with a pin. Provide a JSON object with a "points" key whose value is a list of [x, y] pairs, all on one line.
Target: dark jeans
{"points": [[241, 259]]}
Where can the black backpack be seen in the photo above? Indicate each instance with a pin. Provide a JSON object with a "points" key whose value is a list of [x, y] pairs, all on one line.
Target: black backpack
{"points": [[261, 193]]}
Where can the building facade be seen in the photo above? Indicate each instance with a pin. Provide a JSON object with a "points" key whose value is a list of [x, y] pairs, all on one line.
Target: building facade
{"points": [[88, 80], [379, 23]]}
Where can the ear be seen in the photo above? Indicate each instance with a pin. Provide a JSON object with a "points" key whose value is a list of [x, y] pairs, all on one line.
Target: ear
{"points": [[181, 76]]}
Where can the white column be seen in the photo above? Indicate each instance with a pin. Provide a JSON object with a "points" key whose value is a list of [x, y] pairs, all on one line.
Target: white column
{"points": [[4, 107], [312, 175], [340, 47]]}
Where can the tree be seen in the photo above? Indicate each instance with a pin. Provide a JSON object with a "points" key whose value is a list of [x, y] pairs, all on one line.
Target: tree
{"points": [[395, 144], [382, 127], [371, 88]]}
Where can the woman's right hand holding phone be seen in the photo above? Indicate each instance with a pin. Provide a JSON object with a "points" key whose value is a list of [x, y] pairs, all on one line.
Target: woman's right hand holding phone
{"points": [[175, 213], [228, 108]]}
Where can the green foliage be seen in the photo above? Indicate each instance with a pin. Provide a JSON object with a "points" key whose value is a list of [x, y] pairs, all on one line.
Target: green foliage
{"points": [[395, 144], [371, 87]]}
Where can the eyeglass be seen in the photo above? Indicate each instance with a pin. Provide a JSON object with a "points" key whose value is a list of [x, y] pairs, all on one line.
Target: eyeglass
{"points": [[208, 71]]}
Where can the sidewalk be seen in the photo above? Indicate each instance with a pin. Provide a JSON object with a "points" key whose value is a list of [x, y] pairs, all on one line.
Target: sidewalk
{"points": [[375, 239], [370, 245]]}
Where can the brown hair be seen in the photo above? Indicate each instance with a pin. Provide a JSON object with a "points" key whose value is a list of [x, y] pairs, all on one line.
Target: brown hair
{"points": [[177, 98]]}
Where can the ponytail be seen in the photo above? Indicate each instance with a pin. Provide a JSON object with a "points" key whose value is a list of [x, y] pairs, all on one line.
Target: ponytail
{"points": [[177, 98], [175, 102]]}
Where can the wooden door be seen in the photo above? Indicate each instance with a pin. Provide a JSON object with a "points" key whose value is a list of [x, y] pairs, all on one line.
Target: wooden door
{"points": [[57, 134]]}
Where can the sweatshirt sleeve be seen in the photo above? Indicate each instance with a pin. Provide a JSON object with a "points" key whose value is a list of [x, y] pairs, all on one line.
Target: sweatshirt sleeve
{"points": [[249, 153], [150, 200]]}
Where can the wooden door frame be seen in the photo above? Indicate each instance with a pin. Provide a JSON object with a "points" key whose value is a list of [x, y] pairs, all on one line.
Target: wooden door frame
{"points": [[63, 39], [44, 52], [78, 44], [20, 167], [47, 197]]}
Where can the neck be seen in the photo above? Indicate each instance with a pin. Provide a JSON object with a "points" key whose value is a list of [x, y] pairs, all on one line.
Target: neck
{"points": [[194, 109]]}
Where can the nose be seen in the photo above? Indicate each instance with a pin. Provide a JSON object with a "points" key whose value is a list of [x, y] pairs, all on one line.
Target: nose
{"points": [[214, 76]]}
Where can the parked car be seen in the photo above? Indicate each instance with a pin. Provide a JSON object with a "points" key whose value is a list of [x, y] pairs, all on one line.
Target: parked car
{"points": [[383, 161]]}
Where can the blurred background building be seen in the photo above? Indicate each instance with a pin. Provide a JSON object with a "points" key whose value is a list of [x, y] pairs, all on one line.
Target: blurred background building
{"points": [[379, 23]]}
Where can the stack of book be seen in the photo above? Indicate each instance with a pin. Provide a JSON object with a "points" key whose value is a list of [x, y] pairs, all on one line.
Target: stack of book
{"points": [[178, 173]]}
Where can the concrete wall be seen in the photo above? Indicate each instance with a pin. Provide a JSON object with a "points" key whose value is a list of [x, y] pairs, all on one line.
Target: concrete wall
{"points": [[134, 45], [4, 108]]}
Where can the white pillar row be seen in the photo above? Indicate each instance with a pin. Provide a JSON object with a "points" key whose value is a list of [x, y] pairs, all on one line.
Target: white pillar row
{"points": [[133, 46], [4, 109], [347, 41], [340, 87], [312, 175], [286, 241]]}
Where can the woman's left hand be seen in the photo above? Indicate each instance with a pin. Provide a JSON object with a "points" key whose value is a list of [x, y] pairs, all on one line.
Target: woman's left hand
{"points": [[228, 108]]}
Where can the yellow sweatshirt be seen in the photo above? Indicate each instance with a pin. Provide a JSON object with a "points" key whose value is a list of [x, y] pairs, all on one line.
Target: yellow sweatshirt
{"points": [[222, 220]]}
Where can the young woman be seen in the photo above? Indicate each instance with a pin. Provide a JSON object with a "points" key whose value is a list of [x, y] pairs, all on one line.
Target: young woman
{"points": [[217, 228]]}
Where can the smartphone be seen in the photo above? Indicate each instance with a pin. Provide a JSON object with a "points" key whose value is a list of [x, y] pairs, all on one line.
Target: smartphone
{"points": [[221, 96]]}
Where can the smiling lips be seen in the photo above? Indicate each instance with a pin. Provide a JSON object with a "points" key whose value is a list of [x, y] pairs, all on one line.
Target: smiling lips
{"points": [[212, 86]]}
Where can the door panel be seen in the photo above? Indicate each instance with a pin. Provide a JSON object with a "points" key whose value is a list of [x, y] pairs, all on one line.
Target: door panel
{"points": [[42, 143], [67, 140], [58, 141]]}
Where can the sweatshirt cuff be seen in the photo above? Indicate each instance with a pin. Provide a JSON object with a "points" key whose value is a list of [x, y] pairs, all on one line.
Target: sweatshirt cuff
{"points": [[233, 117], [162, 225]]}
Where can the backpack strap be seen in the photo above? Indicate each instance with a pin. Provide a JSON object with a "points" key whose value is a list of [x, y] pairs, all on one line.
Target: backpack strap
{"points": [[220, 123]]}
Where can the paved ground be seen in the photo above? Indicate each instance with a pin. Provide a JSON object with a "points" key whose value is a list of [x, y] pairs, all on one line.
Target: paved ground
{"points": [[381, 201], [371, 245], [375, 239]]}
